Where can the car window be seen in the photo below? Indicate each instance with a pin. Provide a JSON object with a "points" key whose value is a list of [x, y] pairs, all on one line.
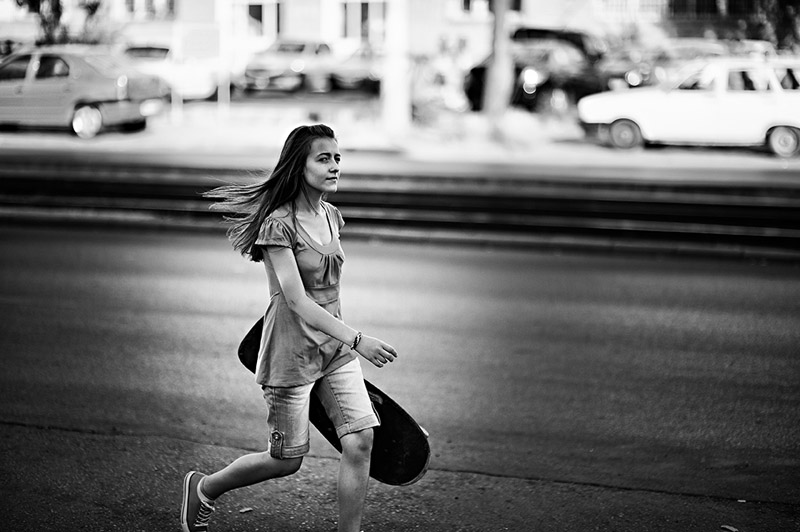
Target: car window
{"points": [[51, 66], [697, 81], [788, 77], [290, 48], [323, 49], [747, 80], [16, 69]]}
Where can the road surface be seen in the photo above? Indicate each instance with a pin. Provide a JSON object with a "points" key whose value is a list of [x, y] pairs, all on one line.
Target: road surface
{"points": [[565, 391]]}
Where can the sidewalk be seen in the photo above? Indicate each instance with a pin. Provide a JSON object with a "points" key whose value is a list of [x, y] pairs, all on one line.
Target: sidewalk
{"points": [[253, 132]]}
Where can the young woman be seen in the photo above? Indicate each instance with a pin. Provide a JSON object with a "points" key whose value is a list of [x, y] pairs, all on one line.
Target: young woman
{"points": [[306, 348]]}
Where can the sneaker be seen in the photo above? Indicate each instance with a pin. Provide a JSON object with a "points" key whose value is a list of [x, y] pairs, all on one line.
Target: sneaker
{"points": [[194, 511]]}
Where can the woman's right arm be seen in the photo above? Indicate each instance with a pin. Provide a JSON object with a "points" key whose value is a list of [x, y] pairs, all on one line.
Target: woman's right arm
{"points": [[285, 266]]}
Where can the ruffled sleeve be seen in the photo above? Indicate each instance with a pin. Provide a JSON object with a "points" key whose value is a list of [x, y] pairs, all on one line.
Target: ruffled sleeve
{"points": [[337, 218], [274, 233]]}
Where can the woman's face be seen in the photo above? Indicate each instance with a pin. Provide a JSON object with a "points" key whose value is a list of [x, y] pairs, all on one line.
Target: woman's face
{"points": [[322, 166]]}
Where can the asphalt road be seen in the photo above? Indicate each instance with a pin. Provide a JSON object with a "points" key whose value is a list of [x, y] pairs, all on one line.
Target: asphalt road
{"points": [[561, 391]]}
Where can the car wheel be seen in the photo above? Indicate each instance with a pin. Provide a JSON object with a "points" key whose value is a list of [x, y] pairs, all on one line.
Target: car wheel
{"points": [[625, 135], [784, 141], [87, 121]]}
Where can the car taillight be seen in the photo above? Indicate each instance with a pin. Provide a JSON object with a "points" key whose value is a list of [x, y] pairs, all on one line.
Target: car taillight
{"points": [[122, 87]]}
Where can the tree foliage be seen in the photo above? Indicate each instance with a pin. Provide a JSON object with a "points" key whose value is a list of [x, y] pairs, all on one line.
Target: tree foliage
{"points": [[50, 12]]}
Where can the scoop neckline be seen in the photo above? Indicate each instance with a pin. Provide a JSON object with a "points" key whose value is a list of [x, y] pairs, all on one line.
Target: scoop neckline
{"points": [[312, 241]]}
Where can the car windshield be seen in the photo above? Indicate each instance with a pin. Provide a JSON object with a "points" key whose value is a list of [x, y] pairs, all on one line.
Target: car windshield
{"points": [[694, 79]]}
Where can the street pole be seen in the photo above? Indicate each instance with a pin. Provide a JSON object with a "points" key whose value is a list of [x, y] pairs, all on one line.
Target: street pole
{"points": [[396, 84], [497, 92]]}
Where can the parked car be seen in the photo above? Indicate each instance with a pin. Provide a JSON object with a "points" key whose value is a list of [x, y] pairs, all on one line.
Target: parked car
{"points": [[191, 79], [362, 69], [645, 66], [85, 88], [289, 65], [550, 75], [592, 46], [628, 67], [727, 102]]}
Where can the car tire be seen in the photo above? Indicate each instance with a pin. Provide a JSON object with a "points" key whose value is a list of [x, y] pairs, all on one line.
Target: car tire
{"points": [[625, 135], [784, 141], [87, 121]]}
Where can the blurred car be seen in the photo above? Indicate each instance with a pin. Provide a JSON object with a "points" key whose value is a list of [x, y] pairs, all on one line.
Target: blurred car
{"points": [[628, 67], [643, 66], [724, 102], [550, 75], [289, 65], [85, 88], [592, 46], [362, 69], [191, 79]]}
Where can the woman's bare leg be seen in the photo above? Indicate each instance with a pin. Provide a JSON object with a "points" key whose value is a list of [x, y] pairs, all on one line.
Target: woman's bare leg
{"points": [[248, 470], [353, 479]]}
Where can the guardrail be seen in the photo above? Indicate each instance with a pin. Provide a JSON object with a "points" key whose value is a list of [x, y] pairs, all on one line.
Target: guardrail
{"points": [[746, 220]]}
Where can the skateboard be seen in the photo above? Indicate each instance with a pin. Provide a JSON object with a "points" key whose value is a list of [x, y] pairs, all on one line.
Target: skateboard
{"points": [[400, 450]]}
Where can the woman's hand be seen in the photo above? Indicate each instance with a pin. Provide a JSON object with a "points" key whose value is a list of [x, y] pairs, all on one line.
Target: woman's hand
{"points": [[376, 351]]}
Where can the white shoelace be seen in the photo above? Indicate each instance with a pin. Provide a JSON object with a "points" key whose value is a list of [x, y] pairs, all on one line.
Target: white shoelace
{"points": [[204, 514]]}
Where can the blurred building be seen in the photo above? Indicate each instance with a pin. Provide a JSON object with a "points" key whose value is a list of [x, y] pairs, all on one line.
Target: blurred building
{"points": [[460, 28]]}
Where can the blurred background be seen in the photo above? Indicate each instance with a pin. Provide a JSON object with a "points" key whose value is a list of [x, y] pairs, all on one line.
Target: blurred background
{"points": [[416, 63]]}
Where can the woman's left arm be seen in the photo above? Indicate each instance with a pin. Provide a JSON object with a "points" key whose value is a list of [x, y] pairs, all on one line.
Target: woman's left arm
{"points": [[285, 266]]}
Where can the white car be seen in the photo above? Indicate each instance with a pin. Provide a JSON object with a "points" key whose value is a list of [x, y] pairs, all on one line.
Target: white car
{"points": [[289, 65], [82, 87], [718, 102]]}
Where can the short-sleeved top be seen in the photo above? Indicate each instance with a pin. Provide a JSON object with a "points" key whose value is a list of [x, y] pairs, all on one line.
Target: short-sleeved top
{"points": [[293, 352]]}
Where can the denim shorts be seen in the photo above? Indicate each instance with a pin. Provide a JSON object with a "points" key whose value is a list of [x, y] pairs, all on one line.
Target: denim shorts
{"points": [[342, 393]]}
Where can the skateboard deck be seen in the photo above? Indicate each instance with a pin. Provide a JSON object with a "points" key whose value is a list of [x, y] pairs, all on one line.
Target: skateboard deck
{"points": [[400, 451]]}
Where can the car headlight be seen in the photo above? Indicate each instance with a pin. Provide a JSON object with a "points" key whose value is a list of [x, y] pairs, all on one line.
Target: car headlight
{"points": [[531, 78], [633, 78]]}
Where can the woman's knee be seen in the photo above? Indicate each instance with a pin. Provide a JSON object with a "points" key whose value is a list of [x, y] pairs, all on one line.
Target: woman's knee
{"points": [[282, 467], [358, 443]]}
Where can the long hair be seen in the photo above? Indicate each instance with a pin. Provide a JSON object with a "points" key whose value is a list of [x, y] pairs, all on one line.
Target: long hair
{"points": [[247, 206]]}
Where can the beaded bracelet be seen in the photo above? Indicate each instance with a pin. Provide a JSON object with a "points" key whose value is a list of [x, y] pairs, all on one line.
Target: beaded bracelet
{"points": [[355, 342]]}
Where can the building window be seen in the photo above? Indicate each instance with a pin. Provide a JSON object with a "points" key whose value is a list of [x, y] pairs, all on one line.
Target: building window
{"points": [[266, 17], [486, 5], [693, 9]]}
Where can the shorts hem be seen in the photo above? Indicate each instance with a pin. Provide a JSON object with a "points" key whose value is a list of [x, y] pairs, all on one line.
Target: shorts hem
{"points": [[285, 453], [366, 422]]}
